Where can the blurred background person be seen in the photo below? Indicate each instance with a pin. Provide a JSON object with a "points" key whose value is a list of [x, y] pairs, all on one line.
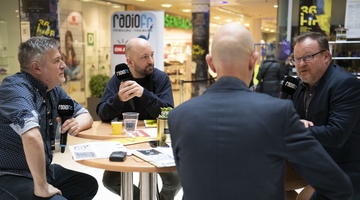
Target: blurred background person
{"points": [[289, 69], [270, 76]]}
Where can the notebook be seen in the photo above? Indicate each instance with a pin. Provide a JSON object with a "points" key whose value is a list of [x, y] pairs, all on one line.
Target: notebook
{"points": [[158, 156]]}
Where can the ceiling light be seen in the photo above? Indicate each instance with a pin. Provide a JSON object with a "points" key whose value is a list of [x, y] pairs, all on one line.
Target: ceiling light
{"points": [[116, 6], [216, 17], [85, 0], [228, 20], [166, 5], [141, 0], [266, 29], [276, 6], [186, 10], [272, 30], [246, 24]]}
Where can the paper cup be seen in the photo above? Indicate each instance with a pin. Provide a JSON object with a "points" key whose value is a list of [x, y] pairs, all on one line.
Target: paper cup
{"points": [[116, 128]]}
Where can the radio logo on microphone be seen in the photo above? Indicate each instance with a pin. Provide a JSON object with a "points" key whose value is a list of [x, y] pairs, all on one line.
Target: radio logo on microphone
{"points": [[65, 107], [290, 85], [121, 72]]}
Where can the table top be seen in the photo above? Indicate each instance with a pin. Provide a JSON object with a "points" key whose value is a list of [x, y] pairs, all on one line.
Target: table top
{"points": [[131, 164], [102, 131]]}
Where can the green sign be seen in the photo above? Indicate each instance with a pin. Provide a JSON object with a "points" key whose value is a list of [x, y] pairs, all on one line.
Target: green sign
{"points": [[90, 39], [177, 22]]}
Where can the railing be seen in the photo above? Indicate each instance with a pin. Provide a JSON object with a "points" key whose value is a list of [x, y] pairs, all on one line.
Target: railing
{"points": [[211, 80]]}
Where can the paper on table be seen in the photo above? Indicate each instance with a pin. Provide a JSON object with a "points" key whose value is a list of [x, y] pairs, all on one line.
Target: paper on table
{"points": [[150, 123], [94, 150], [156, 156]]}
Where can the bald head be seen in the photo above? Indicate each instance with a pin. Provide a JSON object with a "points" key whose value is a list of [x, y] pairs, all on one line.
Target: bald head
{"points": [[232, 52], [136, 44]]}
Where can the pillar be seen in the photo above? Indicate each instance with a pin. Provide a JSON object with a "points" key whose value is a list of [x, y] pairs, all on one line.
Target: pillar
{"points": [[200, 44]]}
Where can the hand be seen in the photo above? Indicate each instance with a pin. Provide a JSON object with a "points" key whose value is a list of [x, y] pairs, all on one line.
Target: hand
{"points": [[46, 191], [70, 125], [129, 90], [306, 123]]}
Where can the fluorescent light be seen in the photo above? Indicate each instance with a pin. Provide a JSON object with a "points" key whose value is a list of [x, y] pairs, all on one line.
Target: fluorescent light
{"points": [[216, 17], [228, 20], [276, 6], [246, 24], [186, 10], [166, 5]]}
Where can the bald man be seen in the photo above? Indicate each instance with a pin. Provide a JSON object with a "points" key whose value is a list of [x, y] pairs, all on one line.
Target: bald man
{"points": [[150, 89], [232, 143]]}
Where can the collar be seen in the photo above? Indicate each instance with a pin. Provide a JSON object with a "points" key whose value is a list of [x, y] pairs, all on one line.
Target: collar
{"points": [[41, 87]]}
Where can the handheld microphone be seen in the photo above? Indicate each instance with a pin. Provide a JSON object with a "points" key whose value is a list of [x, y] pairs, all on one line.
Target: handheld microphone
{"points": [[123, 73], [65, 110], [288, 86]]}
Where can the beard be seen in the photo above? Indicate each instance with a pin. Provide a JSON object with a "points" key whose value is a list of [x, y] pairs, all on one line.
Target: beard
{"points": [[148, 70]]}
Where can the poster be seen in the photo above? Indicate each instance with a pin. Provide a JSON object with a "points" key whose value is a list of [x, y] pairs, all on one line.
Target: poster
{"points": [[315, 15], [352, 18], [42, 16], [72, 53], [126, 25]]}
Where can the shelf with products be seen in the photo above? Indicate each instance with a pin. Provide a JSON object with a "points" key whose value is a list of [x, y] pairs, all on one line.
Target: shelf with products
{"points": [[346, 54]]}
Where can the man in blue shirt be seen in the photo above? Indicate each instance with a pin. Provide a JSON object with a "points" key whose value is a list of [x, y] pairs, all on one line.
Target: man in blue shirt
{"points": [[29, 124]]}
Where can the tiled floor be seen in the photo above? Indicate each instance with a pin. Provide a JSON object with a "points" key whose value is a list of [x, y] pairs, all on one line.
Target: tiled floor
{"points": [[65, 160]]}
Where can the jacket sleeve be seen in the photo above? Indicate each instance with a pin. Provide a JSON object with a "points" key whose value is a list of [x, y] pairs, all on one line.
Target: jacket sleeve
{"points": [[311, 160], [342, 115], [110, 105]]}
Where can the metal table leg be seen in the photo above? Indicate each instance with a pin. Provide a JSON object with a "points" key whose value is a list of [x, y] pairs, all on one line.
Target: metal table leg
{"points": [[126, 185], [148, 186]]}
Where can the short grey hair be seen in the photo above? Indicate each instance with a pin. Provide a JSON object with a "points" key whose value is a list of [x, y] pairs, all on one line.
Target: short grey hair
{"points": [[35, 49]]}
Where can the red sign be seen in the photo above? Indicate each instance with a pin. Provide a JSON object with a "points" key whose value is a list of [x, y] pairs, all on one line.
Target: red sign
{"points": [[119, 49]]}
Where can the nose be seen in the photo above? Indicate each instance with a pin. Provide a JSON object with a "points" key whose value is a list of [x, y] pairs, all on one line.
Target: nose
{"points": [[63, 64]]}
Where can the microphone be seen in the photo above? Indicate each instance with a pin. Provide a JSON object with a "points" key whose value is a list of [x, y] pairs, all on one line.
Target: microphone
{"points": [[123, 73], [65, 110], [288, 86]]}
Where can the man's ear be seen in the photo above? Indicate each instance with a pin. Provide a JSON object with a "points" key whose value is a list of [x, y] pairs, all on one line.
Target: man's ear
{"points": [[35, 67], [210, 63], [129, 62], [327, 56], [253, 58]]}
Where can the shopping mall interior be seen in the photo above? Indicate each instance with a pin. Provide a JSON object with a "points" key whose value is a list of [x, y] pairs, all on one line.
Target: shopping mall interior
{"points": [[271, 22]]}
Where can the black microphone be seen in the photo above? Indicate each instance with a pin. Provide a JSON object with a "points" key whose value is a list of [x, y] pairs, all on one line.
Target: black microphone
{"points": [[123, 73], [288, 86], [65, 110]]}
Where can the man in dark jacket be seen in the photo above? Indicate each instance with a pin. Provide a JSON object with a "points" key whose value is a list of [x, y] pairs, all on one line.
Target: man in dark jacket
{"points": [[271, 75]]}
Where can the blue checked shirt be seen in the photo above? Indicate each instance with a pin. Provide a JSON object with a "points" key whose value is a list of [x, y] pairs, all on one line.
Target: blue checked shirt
{"points": [[23, 106]]}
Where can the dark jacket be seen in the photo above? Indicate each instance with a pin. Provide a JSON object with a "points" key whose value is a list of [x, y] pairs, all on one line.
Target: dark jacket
{"points": [[272, 76], [334, 110], [157, 93], [224, 151]]}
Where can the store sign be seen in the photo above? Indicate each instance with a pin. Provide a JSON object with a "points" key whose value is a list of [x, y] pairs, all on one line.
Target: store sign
{"points": [[126, 25], [177, 22]]}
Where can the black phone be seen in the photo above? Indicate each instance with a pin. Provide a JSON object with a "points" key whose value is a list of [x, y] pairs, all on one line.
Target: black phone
{"points": [[117, 156]]}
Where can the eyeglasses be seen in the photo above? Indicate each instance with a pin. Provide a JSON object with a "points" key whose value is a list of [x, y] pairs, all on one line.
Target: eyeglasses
{"points": [[307, 59]]}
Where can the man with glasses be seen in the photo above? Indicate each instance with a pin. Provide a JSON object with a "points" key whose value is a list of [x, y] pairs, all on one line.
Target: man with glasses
{"points": [[328, 102]]}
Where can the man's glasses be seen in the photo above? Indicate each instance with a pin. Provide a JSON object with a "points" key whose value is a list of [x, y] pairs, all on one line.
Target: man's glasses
{"points": [[306, 59]]}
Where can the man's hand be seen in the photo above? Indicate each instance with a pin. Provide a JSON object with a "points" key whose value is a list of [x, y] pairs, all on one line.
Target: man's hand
{"points": [[129, 90], [46, 191], [307, 123], [70, 125]]}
